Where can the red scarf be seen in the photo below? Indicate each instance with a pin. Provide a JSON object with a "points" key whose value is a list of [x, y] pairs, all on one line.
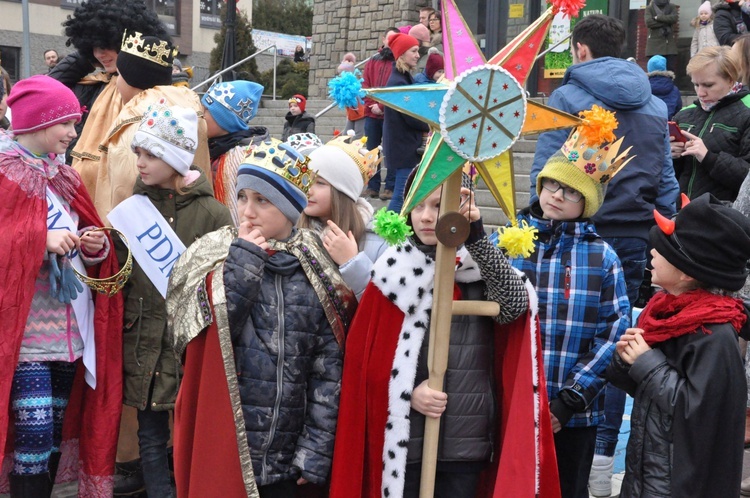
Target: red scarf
{"points": [[667, 315]]}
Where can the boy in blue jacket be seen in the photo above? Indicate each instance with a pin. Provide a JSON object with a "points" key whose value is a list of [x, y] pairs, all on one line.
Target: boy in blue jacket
{"points": [[583, 302]]}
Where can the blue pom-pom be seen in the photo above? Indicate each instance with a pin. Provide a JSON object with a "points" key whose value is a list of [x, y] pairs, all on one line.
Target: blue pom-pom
{"points": [[346, 89]]}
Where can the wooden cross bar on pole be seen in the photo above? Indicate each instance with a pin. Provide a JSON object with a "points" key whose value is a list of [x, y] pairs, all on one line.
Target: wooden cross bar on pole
{"points": [[443, 309]]}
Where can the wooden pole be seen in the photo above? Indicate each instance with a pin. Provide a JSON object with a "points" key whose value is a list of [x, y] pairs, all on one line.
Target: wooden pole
{"points": [[443, 309], [440, 330]]}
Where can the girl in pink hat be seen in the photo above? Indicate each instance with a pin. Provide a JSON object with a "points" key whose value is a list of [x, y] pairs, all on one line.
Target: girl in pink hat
{"points": [[61, 361], [704, 35]]}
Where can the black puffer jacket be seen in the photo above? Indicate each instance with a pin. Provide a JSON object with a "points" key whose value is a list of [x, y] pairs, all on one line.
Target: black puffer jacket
{"points": [[688, 416], [725, 130], [70, 71], [288, 363], [728, 18]]}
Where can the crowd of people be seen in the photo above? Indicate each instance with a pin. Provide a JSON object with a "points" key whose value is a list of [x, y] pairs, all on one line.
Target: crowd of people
{"points": [[197, 308]]}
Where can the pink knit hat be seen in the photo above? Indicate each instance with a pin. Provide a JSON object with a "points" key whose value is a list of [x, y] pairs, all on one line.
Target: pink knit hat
{"points": [[420, 32], [39, 102]]}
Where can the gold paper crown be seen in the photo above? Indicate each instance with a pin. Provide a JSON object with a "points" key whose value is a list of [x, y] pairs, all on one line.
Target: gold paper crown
{"points": [[282, 159], [591, 149], [161, 53], [366, 160]]}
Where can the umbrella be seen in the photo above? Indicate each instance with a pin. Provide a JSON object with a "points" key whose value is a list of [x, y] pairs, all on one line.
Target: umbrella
{"points": [[229, 56]]}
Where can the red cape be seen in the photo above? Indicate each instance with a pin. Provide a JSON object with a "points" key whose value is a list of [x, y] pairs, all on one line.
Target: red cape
{"points": [[370, 350], [206, 449], [93, 416]]}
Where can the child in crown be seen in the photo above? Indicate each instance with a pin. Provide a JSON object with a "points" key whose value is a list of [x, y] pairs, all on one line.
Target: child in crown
{"points": [[171, 188], [259, 314], [338, 214], [583, 304]]}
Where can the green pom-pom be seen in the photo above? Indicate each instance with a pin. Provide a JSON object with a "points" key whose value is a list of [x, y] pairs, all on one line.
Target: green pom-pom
{"points": [[391, 226], [517, 240]]}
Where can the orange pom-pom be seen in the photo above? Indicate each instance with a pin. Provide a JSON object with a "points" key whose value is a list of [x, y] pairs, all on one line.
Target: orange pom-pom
{"points": [[568, 7], [598, 126]]}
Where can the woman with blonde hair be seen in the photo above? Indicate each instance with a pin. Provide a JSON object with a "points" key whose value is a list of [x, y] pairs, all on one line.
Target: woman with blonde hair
{"points": [[402, 134], [715, 156]]}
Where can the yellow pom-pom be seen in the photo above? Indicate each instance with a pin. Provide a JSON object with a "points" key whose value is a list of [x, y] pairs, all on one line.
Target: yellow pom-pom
{"points": [[598, 126], [363, 140], [517, 240]]}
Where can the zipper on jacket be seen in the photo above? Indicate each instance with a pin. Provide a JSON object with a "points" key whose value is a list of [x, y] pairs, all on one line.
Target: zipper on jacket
{"points": [[279, 375], [567, 280], [695, 161], [138, 331]]}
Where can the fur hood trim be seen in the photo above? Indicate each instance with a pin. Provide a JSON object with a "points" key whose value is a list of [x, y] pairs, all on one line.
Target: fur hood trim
{"points": [[668, 74]]}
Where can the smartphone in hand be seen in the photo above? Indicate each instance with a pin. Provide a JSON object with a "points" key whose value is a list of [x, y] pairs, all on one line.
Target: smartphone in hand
{"points": [[674, 131]]}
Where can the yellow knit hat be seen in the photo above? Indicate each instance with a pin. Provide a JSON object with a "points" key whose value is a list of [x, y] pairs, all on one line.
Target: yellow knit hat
{"points": [[559, 168], [589, 159]]}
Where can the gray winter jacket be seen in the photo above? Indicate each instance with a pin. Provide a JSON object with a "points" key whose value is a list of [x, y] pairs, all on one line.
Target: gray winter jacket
{"points": [[288, 364]]}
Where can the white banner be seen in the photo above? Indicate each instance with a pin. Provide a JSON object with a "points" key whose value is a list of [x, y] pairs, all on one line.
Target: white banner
{"points": [[83, 305], [285, 44], [152, 241]]}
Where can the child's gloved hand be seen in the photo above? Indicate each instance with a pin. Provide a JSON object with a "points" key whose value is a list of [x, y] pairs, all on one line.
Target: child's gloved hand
{"points": [[64, 285]]}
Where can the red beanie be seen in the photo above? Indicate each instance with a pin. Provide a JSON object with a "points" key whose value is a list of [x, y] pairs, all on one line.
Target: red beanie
{"points": [[434, 64], [300, 100], [400, 43], [39, 102]]}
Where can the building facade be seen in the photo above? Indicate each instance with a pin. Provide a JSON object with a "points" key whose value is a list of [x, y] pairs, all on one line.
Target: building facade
{"points": [[192, 24]]}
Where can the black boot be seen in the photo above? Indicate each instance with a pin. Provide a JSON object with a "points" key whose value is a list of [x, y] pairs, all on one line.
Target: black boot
{"points": [[54, 463], [129, 478], [30, 486]]}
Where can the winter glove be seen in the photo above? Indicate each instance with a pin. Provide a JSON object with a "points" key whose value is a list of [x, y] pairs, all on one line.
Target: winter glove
{"points": [[67, 286]]}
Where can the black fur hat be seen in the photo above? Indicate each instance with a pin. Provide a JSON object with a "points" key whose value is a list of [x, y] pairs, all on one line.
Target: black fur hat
{"points": [[707, 241], [101, 23]]}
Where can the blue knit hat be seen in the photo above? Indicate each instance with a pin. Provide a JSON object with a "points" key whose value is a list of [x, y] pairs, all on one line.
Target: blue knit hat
{"points": [[233, 104], [280, 174], [656, 63]]}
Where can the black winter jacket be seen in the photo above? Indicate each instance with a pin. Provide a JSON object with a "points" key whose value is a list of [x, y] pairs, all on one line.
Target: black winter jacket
{"points": [[298, 124], [288, 362], [402, 134], [688, 416], [725, 130], [70, 71], [729, 22]]}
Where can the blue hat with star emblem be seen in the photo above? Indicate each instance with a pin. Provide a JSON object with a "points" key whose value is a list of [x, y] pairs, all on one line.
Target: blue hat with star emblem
{"points": [[233, 104]]}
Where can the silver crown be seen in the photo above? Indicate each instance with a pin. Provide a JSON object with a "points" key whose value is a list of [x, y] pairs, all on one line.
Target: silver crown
{"points": [[159, 120]]}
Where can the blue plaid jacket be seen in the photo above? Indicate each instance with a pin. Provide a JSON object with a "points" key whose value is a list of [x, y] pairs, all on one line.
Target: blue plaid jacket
{"points": [[583, 308]]}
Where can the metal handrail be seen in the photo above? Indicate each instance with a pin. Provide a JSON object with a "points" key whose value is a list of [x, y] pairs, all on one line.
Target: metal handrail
{"points": [[333, 104], [249, 57]]}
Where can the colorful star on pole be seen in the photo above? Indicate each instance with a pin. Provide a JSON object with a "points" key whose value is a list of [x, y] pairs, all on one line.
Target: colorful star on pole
{"points": [[483, 108]]}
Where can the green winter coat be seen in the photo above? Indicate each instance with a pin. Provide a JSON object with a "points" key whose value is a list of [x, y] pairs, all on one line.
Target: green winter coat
{"points": [[661, 39], [147, 351]]}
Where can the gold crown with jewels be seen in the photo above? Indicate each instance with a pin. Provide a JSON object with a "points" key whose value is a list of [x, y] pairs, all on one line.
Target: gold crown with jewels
{"points": [[592, 148], [366, 160], [282, 159], [161, 53]]}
